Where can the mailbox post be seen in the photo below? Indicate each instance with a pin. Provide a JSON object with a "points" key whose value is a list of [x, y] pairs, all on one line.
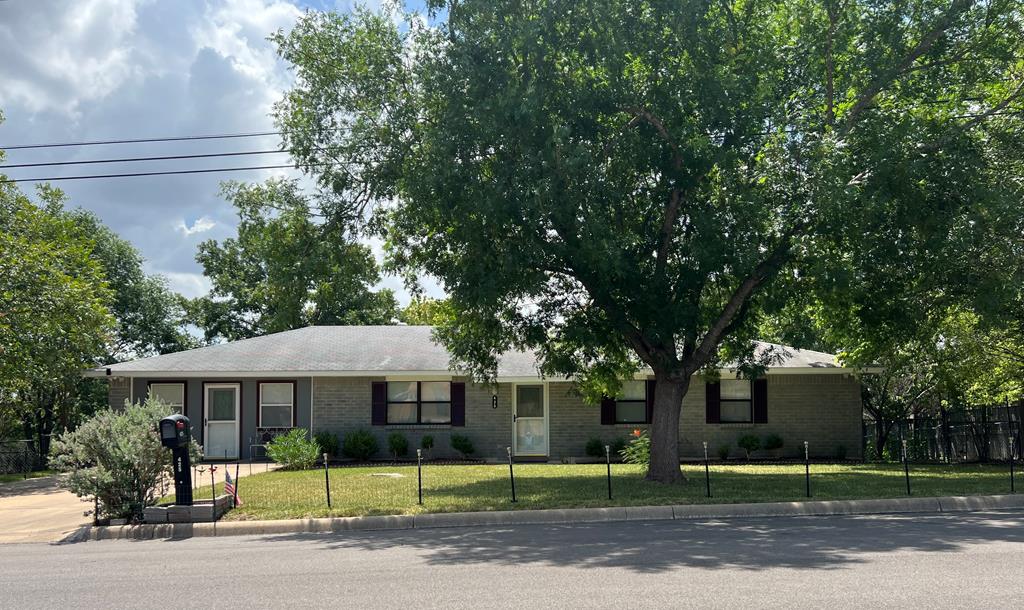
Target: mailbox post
{"points": [[175, 433]]}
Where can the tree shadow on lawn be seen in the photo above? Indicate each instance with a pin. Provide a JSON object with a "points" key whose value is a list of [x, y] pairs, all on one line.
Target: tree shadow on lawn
{"points": [[819, 543]]}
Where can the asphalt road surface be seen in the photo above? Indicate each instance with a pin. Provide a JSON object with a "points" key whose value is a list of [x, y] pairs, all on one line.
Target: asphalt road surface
{"points": [[963, 560]]}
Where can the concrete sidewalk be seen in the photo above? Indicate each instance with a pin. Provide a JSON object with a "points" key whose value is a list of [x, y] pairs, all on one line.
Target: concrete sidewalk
{"points": [[572, 515]]}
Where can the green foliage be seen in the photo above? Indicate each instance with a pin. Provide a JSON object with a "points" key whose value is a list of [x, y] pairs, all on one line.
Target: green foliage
{"points": [[594, 447], [772, 442], [422, 311], [427, 442], [398, 445], [116, 456], [54, 314], [293, 450], [654, 179], [463, 445], [616, 446], [749, 443], [723, 452], [638, 450], [328, 442], [285, 270], [360, 445]]}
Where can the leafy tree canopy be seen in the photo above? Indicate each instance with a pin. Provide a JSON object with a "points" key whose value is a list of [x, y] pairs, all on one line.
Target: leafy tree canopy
{"points": [[423, 311], [285, 270], [629, 183]]}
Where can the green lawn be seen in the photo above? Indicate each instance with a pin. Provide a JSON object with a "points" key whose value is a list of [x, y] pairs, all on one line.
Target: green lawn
{"points": [[35, 474], [362, 491]]}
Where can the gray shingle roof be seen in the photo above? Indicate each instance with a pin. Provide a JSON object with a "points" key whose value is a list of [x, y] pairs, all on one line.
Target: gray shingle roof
{"points": [[355, 349]]}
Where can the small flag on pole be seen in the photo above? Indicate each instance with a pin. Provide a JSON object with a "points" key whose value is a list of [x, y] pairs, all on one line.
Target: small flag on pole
{"points": [[229, 487]]}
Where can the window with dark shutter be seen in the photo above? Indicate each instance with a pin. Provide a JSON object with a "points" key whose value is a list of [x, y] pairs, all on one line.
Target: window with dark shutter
{"points": [[607, 411], [458, 403], [379, 402], [650, 400], [761, 401], [713, 402]]}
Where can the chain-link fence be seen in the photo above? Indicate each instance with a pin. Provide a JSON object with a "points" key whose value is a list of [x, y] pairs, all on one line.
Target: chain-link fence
{"points": [[976, 434], [18, 456]]}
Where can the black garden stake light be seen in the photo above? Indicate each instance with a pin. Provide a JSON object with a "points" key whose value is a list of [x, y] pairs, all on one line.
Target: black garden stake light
{"points": [[906, 466], [608, 458], [419, 473], [807, 469], [511, 472], [327, 482], [707, 469]]}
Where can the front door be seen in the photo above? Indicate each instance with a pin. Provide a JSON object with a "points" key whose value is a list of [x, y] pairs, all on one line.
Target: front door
{"points": [[530, 418], [221, 417]]}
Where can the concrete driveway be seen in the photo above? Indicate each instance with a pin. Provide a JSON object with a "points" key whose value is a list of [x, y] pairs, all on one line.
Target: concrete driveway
{"points": [[37, 510]]}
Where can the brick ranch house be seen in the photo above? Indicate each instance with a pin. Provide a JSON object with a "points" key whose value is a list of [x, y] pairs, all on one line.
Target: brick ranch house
{"points": [[396, 378]]}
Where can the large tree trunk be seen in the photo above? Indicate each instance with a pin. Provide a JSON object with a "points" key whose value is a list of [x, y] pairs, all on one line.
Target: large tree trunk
{"points": [[668, 401], [882, 429]]}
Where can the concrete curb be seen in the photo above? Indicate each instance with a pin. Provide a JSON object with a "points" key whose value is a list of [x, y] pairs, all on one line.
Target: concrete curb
{"points": [[567, 515]]}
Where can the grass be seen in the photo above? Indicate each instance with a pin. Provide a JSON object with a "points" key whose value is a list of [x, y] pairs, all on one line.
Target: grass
{"points": [[35, 474], [362, 491]]}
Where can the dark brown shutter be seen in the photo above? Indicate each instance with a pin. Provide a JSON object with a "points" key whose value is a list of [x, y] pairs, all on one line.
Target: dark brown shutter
{"points": [[650, 400], [458, 403], [607, 411], [379, 412], [761, 401], [713, 400]]}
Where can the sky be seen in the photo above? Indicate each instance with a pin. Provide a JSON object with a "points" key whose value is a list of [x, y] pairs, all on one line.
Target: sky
{"points": [[82, 70]]}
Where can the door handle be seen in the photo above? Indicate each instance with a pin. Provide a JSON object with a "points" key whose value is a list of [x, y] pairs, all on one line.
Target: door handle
{"points": [[514, 417]]}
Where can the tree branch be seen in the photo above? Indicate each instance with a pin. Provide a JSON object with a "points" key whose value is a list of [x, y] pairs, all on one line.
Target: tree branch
{"points": [[667, 229], [956, 8]]}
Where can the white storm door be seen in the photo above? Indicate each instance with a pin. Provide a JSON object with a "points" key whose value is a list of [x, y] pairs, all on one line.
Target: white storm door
{"points": [[530, 420], [221, 417]]}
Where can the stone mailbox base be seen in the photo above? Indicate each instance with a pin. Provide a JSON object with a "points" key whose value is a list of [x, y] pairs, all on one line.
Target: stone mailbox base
{"points": [[200, 511]]}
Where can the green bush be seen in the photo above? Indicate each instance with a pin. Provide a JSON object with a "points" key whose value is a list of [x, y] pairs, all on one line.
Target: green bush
{"points": [[772, 442], [638, 451], [427, 443], [617, 445], [359, 445], [328, 442], [293, 451], [749, 443], [723, 452], [116, 457], [594, 448], [398, 445], [463, 445]]}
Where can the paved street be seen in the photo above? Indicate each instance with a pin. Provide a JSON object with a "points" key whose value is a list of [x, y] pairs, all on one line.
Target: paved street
{"points": [[954, 560]]}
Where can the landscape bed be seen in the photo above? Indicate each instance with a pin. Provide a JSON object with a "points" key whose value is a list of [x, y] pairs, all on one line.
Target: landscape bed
{"points": [[391, 490]]}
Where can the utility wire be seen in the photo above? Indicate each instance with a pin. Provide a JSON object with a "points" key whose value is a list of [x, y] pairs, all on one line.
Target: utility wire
{"points": [[132, 159], [160, 173], [142, 140]]}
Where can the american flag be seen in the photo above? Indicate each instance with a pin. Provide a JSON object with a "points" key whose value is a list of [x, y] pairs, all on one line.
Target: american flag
{"points": [[229, 487]]}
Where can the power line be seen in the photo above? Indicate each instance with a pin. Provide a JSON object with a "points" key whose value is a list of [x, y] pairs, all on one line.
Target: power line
{"points": [[160, 173], [142, 140], [132, 159]]}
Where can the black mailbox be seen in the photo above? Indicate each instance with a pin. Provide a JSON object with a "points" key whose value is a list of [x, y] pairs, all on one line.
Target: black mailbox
{"points": [[175, 431]]}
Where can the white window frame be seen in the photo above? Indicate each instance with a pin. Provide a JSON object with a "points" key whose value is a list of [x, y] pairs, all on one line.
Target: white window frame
{"points": [[643, 384], [419, 402], [260, 404], [184, 399], [748, 401]]}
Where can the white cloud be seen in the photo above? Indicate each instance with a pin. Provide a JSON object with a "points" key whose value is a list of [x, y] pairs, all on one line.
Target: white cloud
{"points": [[201, 225], [190, 285]]}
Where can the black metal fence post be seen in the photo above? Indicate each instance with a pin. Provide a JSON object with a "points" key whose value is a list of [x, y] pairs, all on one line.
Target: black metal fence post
{"points": [[1012, 489], [608, 458], [419, 473], [511, 472], [327, 481], [707, 470], [807, 468], [906, 466]]}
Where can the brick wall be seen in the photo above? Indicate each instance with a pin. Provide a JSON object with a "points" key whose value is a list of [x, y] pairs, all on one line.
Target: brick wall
{"points": [[822, 409]]}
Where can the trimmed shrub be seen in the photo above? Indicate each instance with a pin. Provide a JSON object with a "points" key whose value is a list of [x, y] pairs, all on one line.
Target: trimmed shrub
{"points": [[749, 443], [359, 445], [723, 452], [772, 442], [463, 445], [116, 457], [328, 442], [638, 451], [427, 442], [594, 448], [293, 451], [398, 445], [617, 445]]}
